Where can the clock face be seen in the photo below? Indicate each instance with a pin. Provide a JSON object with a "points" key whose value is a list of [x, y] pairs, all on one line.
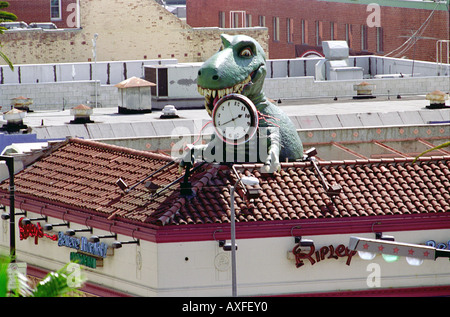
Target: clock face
{"points": [[235, 119]]}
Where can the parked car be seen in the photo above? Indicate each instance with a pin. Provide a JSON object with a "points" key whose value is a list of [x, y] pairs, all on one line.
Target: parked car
{"points": [[14, 25], [43, 25]]}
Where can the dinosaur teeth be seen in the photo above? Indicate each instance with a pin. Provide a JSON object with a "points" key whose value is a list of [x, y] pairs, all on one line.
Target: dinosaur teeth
{"points": [[212, 93]]}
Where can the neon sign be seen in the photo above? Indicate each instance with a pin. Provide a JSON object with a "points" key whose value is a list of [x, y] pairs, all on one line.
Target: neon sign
{"points": [[33, 230], [82, 244], [325, 252], [441, 246]]}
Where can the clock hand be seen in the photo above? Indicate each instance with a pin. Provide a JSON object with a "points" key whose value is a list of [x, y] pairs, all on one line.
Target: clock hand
{"points": [[232, 119]]}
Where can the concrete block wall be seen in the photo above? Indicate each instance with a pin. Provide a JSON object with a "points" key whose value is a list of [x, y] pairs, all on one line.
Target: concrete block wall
{"points": [[109, 73], [56, 96], [307, 87]]}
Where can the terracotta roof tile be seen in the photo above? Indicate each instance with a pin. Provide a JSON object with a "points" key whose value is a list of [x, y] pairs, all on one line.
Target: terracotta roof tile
{"points": [[82, 174]]}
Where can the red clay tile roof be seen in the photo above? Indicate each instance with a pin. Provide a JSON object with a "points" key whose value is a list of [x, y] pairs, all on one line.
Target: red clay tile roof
{"points": [[82, 174]]}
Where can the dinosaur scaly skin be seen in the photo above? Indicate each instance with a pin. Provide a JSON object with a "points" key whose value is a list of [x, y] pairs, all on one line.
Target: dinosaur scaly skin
{"points": [[240, 67]]}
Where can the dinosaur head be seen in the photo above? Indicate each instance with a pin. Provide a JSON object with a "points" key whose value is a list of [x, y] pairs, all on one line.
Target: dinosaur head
{"points": [[238, 67]]}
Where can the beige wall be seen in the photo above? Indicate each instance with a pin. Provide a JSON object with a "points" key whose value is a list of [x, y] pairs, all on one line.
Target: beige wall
{"points": [[127, 29], [265, 266]]}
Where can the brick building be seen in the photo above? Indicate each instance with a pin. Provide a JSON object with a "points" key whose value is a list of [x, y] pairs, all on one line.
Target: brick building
{"points": [[61, 12], [127, 30], [369, 27]]}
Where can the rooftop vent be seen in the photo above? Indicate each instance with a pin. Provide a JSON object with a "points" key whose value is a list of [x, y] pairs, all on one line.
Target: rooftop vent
{"points": [[81, 114], [364, 90], [135, 96], [22, 103], [14, 121], [437, 99]]}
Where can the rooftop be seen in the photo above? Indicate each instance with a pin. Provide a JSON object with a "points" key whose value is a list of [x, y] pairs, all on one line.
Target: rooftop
{"points": [[81, 175]]}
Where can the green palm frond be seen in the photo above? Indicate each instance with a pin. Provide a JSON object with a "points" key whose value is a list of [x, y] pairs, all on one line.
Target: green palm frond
{"points": [[4, 262], [440, 146], [57, 284], [6, 59]]}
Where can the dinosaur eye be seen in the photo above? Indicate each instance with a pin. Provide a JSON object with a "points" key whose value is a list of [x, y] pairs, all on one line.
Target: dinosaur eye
{"points": [[246, 52]]}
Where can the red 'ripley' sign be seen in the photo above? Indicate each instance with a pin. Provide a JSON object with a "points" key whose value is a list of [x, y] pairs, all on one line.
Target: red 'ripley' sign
{"points": [[35, 231], [329, 252]]}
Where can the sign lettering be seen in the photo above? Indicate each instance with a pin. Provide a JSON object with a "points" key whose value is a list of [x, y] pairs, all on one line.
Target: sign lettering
{"points": [[33, 230], [325, 252], [441, 246], [85, 260], [97, 249]]}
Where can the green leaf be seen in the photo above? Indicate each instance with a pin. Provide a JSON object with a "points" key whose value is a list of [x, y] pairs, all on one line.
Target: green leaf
{"points": [[440, 146], [56, 284], [6, 59], [4, 263]]}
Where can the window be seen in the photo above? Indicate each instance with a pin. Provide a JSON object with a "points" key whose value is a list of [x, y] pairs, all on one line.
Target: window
{"points": [[304, 32], [262, 20], [333, 31], [248, 20], [221, 19], [290, 30], [276, 28], [364, 38], [319, 33], [55, 10], [380, 43], [235, 20], [349, 34]]}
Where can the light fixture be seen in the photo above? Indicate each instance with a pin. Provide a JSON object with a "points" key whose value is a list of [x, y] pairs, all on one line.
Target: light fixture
{"points": [[122, 185], [380, 236], [118, 244], [387, 257], [226, 246], [95, 239], [390, 258], [304, 242], [310, 153], [394, 248], [414, 261], [49, 226], [27, 221], [72, 232], [299, 240], [366, 255], [5, 215]]}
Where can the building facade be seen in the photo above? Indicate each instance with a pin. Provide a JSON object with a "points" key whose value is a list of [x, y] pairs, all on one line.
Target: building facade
{"points": [[63, 13], [126, 30], [172, 241], [296, 28]]}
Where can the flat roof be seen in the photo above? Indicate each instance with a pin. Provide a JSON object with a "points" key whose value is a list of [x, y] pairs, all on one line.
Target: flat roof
{"points": [[293, 107]]}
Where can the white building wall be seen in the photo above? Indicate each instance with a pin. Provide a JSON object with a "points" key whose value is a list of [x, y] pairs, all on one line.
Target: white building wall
{"points": [[265, 266]]}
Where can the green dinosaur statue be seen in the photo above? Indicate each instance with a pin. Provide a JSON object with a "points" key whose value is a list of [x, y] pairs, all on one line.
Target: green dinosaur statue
{"points": [[240, 67]]}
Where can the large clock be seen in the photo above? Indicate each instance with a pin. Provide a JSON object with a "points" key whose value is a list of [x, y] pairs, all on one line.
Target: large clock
{"points": [[235, 119]]}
